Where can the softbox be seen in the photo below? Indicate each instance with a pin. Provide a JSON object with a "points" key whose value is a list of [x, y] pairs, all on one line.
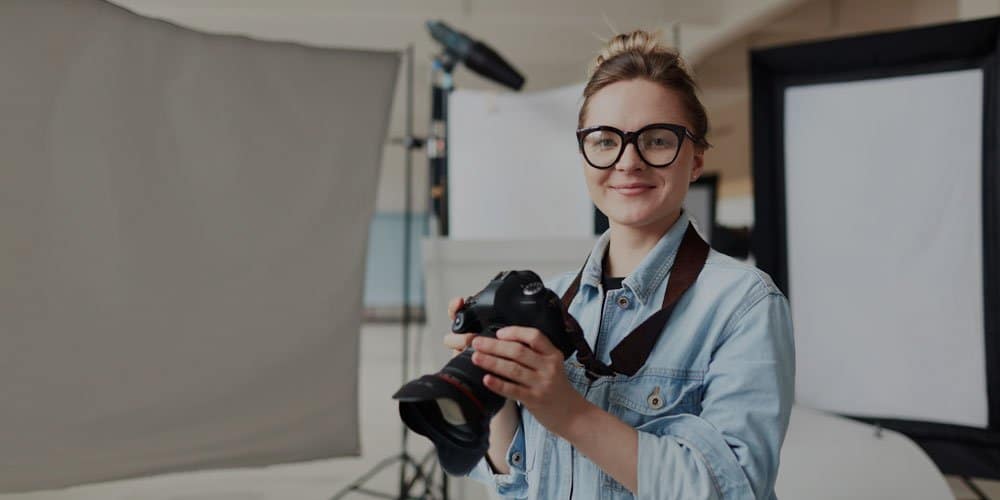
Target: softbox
{"points": [[185, 218], [876, 191]]}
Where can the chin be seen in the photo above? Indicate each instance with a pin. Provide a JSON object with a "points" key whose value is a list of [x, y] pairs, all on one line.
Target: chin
{"points": [[631, 220], [634, 218]]}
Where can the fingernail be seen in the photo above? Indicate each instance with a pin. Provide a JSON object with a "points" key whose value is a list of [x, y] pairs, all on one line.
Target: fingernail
{"points": [[477, 342], [502, 332]]}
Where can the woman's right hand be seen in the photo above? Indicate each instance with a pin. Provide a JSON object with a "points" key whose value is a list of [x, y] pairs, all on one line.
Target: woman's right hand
{"points": [[457, 342]]}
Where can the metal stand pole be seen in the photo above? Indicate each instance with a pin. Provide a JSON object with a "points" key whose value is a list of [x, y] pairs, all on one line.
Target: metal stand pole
{"points": [[437, 138]]}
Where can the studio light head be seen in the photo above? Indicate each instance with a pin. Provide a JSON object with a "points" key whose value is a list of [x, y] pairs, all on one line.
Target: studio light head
{"points": [[475, 55]]}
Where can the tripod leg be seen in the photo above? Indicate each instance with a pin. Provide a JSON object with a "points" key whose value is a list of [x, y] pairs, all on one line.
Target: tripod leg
{"points": [[444, 485], [356, 485]]}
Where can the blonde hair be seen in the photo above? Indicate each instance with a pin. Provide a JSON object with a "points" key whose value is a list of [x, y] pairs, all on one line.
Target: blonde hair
{"points": [[640, 55]]}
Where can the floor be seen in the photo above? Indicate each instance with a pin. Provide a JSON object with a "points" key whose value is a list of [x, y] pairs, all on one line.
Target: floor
{"points": [[380, 437], [989, 489]]}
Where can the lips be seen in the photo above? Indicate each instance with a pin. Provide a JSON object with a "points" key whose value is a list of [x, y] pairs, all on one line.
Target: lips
{"points": [[632, 189]]}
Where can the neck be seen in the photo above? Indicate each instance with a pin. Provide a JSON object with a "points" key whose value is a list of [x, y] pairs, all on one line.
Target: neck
{"points": [[629, 245]]}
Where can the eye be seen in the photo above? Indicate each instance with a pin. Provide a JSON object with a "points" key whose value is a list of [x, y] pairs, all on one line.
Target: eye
{"points": [[658, 140], [601, 140]]}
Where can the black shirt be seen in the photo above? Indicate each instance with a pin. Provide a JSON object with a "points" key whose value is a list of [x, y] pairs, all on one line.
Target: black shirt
{"points": [[610, 283]]}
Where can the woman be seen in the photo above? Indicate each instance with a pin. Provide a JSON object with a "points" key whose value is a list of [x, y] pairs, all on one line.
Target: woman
{"points": [[706, 413]]}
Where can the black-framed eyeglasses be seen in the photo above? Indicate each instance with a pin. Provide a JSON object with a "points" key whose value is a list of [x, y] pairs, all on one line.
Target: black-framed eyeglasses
{"points": [[657, 144]]}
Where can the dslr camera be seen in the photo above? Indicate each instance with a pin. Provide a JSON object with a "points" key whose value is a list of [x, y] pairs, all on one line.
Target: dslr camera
{"points": [[452, 407]]}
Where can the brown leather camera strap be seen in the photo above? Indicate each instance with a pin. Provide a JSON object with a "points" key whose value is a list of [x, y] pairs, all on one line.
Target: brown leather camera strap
{"points": [[633, 351]]}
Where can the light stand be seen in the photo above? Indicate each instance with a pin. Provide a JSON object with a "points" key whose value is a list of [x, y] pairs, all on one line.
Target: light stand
{"points": [[458, 48], [481, 59]]}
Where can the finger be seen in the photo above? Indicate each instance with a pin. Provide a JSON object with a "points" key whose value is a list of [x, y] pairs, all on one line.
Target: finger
{"points": [[530, 337], [454, 306], [458, 341], [504, 388], [508, 349], [510, 370]]}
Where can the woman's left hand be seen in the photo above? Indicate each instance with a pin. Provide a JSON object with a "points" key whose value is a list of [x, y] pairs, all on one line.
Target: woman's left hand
{"points": [[534, 371]]}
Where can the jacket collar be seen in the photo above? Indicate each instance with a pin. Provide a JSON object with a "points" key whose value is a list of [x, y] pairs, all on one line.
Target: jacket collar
{"points": [[653, 268]]}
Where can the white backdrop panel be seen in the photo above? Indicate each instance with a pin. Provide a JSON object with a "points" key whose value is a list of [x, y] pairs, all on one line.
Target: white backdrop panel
{"points": [[884, 230], [185, 218], [514, 168], [699, 204]]}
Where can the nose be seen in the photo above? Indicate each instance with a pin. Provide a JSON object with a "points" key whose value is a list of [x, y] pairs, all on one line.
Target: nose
{"points": [[630, 159]]}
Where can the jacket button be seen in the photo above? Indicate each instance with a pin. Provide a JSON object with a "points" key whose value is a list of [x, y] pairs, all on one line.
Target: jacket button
{"points": [[515, 458], [623, 302], [654, 399]]}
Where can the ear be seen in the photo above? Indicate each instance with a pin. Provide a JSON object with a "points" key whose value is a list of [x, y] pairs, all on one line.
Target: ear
{"points": [[698, 164]]}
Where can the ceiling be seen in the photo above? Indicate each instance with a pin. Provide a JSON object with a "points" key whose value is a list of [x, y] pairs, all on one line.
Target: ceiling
{"points": [[549, 41]]}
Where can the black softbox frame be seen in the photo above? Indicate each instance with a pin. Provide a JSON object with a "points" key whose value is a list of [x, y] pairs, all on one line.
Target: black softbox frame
{"points": [[956, 449]]}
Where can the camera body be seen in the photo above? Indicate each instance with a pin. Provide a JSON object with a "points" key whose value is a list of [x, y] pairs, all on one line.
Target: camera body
{"points": [[453, 407], [515, 298]]}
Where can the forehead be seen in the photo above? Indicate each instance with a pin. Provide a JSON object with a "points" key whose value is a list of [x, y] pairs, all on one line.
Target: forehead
{"points": [[632, 104]]}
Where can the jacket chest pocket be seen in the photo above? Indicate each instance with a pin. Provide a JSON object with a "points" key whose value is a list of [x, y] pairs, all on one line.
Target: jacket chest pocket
{"points": [[646, 397]]}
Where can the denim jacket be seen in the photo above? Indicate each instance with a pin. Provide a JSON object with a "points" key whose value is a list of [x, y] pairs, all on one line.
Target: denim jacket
{"points": [[711, 405]]}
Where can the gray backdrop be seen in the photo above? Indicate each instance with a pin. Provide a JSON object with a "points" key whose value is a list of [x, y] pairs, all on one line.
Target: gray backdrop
{"points": [[184, 222]]}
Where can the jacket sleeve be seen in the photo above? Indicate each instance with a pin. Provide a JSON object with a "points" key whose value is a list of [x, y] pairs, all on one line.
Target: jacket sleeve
{"points": [[731, 449], [514, 484]]}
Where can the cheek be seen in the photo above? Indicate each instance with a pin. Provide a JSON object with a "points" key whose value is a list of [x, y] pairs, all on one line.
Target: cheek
{"points": [[675, 186], [595, 178], [679, 178]]}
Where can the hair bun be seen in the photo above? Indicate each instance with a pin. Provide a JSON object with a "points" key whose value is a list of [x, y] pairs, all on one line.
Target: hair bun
{"points": [[638, 42]]}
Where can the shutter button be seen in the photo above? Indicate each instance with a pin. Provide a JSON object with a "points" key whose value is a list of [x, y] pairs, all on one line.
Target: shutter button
{"points": [[623, 302], [515, 458], [654, 399]]}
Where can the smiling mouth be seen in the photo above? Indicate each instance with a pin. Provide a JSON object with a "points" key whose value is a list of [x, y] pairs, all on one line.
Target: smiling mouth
{"points": [[632, 190]]}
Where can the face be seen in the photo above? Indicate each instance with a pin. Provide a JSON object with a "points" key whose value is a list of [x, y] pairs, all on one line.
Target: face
{"points": [[632, 193]]}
